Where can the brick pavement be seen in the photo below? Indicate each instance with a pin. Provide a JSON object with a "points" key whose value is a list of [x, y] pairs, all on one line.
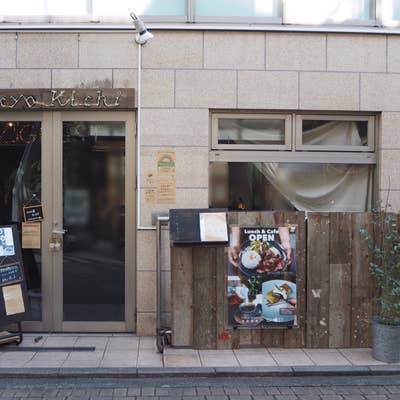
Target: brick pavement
{"points": [[215, 389]]}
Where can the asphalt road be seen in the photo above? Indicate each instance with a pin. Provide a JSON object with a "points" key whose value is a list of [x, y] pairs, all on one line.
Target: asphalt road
{"points": [[279, 388]]}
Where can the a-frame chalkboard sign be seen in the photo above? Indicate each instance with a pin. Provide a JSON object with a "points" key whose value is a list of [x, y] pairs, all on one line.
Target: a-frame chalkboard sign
{"points": [[13, 291]]}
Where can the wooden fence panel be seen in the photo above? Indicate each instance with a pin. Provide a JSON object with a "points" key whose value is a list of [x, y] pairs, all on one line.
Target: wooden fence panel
{"points": [[205, 296], [318, 244], [295, 338], [340, 280], [181, 295], [361, 286]]}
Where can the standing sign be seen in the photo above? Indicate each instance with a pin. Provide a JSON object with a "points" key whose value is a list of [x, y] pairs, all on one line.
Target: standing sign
{"points": [[13, 291], [262, 291]]}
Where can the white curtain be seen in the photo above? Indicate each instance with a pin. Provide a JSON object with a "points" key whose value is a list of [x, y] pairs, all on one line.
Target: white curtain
{"points": [[333, 133], [320, 187]]}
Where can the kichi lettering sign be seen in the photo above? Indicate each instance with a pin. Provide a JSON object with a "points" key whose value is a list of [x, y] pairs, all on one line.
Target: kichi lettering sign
{"points": [[67, 99]]}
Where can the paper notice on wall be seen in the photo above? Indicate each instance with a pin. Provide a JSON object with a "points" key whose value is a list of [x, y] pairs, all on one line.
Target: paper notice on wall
{"points": [[150, 196], [150, 178], [6, 242], [31, 235], [13, 299], [213, 227], [166, 191], [166, 160]]}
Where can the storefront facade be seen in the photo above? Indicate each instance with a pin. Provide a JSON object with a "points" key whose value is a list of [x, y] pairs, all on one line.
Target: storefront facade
{"points": [[251, 119]]}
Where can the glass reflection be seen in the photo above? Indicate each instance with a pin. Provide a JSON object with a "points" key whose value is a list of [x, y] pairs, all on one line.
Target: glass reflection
{"points": [[94, 204]]}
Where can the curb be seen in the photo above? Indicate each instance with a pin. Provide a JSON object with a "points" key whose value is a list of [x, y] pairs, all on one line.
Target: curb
{"points": [[131, 373]]}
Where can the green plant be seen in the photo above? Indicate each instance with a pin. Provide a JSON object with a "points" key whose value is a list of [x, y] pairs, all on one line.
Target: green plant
{"points": [[385, 264], [254, 286]]}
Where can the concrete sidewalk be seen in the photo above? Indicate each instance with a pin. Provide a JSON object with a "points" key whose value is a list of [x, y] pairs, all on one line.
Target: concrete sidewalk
{"points": [[130, 354]]}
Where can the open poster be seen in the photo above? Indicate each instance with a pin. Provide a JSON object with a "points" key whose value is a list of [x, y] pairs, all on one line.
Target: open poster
{"points": [[262, 290]]}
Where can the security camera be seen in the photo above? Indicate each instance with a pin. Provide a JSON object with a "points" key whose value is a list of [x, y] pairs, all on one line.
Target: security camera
{"points": [[143, 35]]}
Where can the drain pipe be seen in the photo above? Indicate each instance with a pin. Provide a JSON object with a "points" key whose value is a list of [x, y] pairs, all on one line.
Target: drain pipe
{"points": [[142, 37]]}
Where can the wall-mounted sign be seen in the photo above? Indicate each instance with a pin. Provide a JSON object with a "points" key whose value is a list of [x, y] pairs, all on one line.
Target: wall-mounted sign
{"points": [[13, 299], [7, 248], [166, 179], [33, 213], [67, 99], [262, 290], [31, 234], [213, 227]]}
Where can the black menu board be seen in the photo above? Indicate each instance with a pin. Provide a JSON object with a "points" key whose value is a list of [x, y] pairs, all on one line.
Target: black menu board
{"points": [[185, 224], [33, 213]]}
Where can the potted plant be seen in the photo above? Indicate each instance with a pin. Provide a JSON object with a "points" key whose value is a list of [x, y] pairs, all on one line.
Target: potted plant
{"points": [[385, 267]]}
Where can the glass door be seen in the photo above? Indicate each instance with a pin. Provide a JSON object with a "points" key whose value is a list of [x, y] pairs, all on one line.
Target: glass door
{"points": [[93, 225], [22, 165]]}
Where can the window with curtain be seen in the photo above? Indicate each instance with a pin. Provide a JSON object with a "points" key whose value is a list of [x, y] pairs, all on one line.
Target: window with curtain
{"points": [[329, 166]]}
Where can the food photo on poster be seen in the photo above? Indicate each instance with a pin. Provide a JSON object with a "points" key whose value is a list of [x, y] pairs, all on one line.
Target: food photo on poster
{"points": [[261, 284]]}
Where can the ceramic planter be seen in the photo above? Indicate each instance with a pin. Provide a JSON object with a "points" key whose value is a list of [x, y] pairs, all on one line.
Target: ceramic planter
{"points": [[385, 342]]}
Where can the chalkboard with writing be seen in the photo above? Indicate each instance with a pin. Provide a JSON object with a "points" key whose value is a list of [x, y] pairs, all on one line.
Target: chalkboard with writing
{"points": [[10, 273], [33, 213]]}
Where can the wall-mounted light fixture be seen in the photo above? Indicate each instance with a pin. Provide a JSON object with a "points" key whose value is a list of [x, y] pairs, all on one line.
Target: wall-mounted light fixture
{"points": [[143, 35]]}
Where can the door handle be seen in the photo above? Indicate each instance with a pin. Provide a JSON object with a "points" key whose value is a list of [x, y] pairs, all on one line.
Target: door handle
{"points": [[60, 231]]}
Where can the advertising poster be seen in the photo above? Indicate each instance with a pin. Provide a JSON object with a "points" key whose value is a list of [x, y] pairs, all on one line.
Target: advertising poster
{"points": [[6, 242], [262, 290]]}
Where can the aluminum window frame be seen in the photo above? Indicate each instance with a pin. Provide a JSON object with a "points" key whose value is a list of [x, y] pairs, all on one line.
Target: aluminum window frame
{"points": [[293, 154], [215, 117], [298, 132]]}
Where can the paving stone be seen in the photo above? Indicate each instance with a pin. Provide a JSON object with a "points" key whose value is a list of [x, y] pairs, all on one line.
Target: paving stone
{"points": [[148, 391], [394, 396], [263, 398], [353, 397], [272, 391], [286, 397], [244, 390], [106, 392], [393, 389], [147, 397], [331, 397], [286, 390], [217, 390], [231, 390], [64, 392], [217, 397], [306, 390], [240, 397], [376, 396], [308, 397], [257, 391], [203, 391], [134, 391], [190, 398], [189, 391]]}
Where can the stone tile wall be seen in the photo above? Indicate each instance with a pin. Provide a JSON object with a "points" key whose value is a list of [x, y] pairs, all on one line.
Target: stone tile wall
{"points": [[186, 73]]}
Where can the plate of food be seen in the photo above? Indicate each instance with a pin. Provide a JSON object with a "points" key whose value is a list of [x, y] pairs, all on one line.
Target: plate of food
{"points": [[259, 258], [279, 300]]}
